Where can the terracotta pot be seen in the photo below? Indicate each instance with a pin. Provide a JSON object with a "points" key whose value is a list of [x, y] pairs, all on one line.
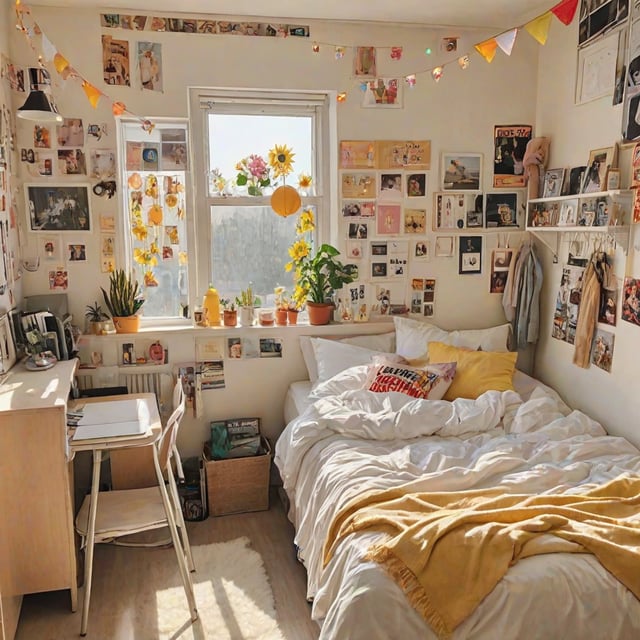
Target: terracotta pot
{"points": [[292, 316], [319, 312], [230, 318], [281, 317], [127, 324]]}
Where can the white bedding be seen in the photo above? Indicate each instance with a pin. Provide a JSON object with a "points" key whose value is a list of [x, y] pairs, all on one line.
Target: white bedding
{"points": [[349, 440]]}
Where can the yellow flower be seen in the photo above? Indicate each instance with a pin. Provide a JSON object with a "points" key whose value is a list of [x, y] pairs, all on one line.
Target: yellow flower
{"points": [[154, 248], [143, 256], [150, 279], [304, 181], [299, 250], [306, 222], [280, 160], [139, 230]]}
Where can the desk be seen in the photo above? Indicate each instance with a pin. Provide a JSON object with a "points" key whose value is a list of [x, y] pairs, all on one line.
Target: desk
{"points": [[37, 537], [97, 446]]}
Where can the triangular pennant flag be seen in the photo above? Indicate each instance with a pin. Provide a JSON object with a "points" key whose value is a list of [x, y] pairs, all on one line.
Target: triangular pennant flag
{"points": [[48, 49], [487, 49], [565, 11], [92, 93], [60, 62], [118, 108], [506, 40], [539, 27]]}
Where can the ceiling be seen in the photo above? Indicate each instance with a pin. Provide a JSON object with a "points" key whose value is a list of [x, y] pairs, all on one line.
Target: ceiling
{"points": [[460, 13]]}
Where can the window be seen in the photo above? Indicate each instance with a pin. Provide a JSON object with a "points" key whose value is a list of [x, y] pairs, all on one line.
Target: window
{"points": [[156, 206], [240, 238]]}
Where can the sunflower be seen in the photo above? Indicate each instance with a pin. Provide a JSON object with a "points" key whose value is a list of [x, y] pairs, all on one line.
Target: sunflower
{"points": [[281, 160], [299, 250], [305, 222], [142, 256], [304, 181]]}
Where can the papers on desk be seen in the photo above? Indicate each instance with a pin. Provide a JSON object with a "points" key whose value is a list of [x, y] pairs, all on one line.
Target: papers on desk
{"points": [[112, 419]]}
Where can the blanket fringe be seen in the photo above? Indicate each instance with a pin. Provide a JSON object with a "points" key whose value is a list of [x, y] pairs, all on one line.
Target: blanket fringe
{"points": [[409, 584]]}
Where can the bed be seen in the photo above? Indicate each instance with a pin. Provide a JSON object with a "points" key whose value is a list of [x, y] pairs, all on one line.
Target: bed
{"points": [[343, 442]]}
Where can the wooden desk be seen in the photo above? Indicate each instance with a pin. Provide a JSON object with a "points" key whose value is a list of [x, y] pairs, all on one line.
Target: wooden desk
{"points": [[37, 541]]}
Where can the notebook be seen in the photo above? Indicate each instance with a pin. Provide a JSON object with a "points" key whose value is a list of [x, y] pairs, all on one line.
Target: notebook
{"points": [[111, 419]]}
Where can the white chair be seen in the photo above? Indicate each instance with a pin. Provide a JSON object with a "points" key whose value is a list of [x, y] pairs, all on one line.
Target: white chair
{"points": [[128, 511]]}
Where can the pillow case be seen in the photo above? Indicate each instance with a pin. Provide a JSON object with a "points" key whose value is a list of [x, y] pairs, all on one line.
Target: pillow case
{"points": [[383, 342], [431, 381], [413, 336], [334, 356], [477, 371]]}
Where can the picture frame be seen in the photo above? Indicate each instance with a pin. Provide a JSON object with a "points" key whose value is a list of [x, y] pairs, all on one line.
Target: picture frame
{"points": [[449, 210], [59, 208], [461, 171], [444, 247], [501, 209], [600, 160], [576, 176], [382, 93], [510, 143], [598, 17], [568, 213], [469, 255], [553, 181], [612, 180], [596, 72]]}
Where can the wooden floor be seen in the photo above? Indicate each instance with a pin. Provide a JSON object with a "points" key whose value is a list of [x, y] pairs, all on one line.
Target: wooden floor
{"points": [[47, 616]]}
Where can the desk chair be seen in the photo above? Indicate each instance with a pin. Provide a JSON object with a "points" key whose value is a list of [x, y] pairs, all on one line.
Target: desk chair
{"points": [[128, 511]]}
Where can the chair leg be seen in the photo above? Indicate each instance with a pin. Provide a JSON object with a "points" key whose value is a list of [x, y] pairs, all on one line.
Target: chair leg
{"points": [[180, 522], [180, 554], [89, 541]]}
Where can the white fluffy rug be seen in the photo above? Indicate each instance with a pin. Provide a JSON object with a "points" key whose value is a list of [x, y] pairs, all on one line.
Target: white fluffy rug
{"points": [[233, 596]]}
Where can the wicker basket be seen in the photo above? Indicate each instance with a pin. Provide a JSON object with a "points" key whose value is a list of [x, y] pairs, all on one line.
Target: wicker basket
{"points": [[238, 485]]}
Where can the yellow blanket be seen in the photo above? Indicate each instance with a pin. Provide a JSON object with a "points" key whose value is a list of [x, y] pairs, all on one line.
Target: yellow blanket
{"points": [[448, 551]]}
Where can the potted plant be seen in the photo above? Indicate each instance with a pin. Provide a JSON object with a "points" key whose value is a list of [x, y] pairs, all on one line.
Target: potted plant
{"points": [[123, 301], [282, 305], [95, 317], [247, 302], [229, 313], [317, 276]]}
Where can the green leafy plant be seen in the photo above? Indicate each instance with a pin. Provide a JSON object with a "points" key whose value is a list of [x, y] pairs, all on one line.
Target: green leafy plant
{"points": [[228, 304], [94, 313], [124, 297], [247, 299]]}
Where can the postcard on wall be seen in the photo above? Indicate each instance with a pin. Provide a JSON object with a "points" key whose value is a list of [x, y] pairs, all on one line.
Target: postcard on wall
{"points": [[72, 162], [211, 374], [210, 349], [41, 137], [602, 352], [358, 231], [365, 62], [382, 93], [355, 249], [470, 254], [500, 261], [49, 249], [444, 247], [416, 185], [415, 220], [631, 300], [357, 154], [358, 185], [403, 154], [461, 171], [450, 210], [150, 65], [422, 250], [271, 347], [360, 209], [388, 219], [501, 209], [76, 252], [134, 156], [390, 186], [103, 164], [510, 142], [115, 61], [58, 279]]}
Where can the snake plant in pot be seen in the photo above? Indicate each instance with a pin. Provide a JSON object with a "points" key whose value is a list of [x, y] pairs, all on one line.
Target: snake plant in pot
{"points": [[123, 301]]}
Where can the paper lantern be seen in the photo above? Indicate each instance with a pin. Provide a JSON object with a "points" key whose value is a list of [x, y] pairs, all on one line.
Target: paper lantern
{"points": [[285, 201]]}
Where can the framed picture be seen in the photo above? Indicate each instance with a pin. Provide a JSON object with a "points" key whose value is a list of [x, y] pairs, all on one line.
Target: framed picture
{"points": [[461, 171], [612, 180], [576, 176], [600, 160], [635, 166], [444, 247], [470, 254], [501, 209], [553, 180], [383, 93], [569, 213], [450, 210], [599, 16], [596, 74], [58, 207]]}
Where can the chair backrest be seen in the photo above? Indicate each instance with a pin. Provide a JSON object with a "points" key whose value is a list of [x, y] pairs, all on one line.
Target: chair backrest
{"points": [[167, 441]]}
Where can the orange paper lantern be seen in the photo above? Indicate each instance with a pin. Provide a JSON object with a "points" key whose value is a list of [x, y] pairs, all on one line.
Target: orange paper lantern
{"points": [[285, 201]]}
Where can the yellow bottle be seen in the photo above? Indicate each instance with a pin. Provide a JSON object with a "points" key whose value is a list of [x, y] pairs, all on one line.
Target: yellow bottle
{"points": [[211, 307]]}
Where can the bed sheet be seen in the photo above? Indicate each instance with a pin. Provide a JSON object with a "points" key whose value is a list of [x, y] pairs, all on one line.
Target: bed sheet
{"points": [[342, 444]]}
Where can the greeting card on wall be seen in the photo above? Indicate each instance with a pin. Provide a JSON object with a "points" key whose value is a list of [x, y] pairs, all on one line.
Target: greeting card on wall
{"points": [[602, 352], [358, 185], [388, 219], [509, 142], [416, 185], [470, 254], [382, 93], [422, 250], [390, 186], [363, 209], [407, 154], [356, 154], [415, 220]]}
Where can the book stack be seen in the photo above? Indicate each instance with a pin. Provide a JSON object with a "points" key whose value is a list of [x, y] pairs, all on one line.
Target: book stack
{"points": [[235, 438]]}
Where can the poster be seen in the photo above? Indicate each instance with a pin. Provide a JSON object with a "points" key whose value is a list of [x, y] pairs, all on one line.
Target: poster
{"points": [[510, 142]]}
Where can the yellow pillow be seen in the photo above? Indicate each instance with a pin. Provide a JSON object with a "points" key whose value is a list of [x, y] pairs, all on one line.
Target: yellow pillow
{"points": [[477, 371]]}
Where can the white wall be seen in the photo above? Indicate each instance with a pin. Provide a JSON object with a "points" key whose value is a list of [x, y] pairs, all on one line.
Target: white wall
{"points": [[457, 114], [611, 398]]}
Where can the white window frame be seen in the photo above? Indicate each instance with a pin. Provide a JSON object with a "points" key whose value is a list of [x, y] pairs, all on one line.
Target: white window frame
{"points": [[203, 101]]}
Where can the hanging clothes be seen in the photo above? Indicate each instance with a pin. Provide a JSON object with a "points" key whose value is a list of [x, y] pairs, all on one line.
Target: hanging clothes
{"points": [[597, 274], [522, 301]]}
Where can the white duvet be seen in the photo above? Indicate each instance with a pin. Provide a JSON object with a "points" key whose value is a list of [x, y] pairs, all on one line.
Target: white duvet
{"points": [[351, 440]]}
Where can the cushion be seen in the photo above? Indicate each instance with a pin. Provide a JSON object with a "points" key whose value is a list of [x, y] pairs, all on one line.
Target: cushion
{"points": [[413, 336], [333, 356], [382, 342], [430, 382], [477, 371]]}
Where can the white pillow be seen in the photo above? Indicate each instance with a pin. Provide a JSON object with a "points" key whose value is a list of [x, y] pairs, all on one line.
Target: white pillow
{"points": [[385, 342], [413, 336], [334, 356]]}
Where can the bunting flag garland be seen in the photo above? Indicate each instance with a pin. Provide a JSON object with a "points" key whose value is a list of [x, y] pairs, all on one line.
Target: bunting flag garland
{"points": [[565, 11], [487, 49], [539, 27], [93, 94], [507, 40]]}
